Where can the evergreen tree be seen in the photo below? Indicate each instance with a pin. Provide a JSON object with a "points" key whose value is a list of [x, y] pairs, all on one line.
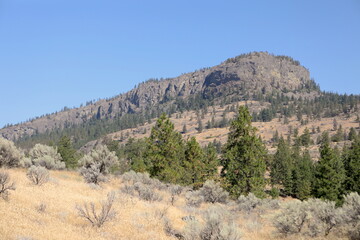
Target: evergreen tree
{"points": [[194, 165], [305, 138], [243, 160], [67, 152], [211, 161], [352, 167], [164, 155], [303, 176], [329, 174], [282, 167]]}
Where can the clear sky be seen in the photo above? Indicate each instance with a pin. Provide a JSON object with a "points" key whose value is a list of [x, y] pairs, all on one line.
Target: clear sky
{"points": [[56, 53]]}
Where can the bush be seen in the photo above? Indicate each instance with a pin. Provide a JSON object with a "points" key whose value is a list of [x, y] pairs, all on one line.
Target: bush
{"points": [[5, 185], [248, 203], [98, 219], [217, 225], [212, 192], [193, 199], [9, 154], [146, 193], [45, 156], [92, 174], [351, 212], [291, 219], [324, 216], [144, 178], [175, 190], [97, 164], [38, 175]]}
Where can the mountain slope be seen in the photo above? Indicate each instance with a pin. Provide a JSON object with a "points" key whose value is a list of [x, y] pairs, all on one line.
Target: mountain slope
{"points": [[240, 78]]}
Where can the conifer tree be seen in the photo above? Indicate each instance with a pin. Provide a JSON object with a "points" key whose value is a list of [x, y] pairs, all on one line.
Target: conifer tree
{"points": [[303, 176], [211, 161], [352, 167], [194, 164], [164, 155], [243, 160], [282, 166], [329, 174], [67, 152]]}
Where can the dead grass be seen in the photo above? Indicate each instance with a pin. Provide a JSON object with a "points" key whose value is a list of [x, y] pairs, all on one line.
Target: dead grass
{"points": [[135, 219]]}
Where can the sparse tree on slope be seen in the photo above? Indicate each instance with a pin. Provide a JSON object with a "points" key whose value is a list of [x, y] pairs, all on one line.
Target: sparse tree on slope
{"points": [[244, 157]]}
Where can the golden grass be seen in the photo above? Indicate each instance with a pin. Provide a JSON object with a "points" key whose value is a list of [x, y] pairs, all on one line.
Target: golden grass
{"points": [[136, 219]]}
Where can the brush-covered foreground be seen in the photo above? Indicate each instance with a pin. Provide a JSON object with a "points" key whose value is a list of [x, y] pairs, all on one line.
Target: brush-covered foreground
{"points": [[49, 211]]}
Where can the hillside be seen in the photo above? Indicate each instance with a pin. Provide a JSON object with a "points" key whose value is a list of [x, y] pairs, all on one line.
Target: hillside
{"points": [[49, 212], [273, 87]]}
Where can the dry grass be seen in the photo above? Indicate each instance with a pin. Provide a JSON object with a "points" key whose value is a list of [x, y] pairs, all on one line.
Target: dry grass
{"points": [[135, 219]]}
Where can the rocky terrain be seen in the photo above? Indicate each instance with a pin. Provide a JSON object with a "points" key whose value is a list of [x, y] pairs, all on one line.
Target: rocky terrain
{"points": [[238, 78]]}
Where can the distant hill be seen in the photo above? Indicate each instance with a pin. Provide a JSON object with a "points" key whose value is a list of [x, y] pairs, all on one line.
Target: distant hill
{"points": [[277, 85]]}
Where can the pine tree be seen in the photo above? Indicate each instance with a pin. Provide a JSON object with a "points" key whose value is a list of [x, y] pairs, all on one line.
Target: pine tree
{"points": [[165, 152], [194, 165], [282, 167], [67, 152], [329, 174], [211, 161], [243, 160], [352, 167], [305, 138], [303, 176]]}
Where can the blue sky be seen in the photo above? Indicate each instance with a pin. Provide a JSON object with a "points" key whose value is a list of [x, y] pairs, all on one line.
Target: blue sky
{"points": [[64, 52]]}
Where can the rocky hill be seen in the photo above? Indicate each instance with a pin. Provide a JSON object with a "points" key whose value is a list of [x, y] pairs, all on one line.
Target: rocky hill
{"points": [[236, 79]]}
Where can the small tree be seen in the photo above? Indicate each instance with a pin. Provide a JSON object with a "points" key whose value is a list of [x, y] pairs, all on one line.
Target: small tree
{"points": [[5, 185]]}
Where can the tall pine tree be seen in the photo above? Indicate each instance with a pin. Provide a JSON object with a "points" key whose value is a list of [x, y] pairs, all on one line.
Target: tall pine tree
{"points": [[329, 174], [282, 167], [243, 159], [194, 164], [352, 167]]}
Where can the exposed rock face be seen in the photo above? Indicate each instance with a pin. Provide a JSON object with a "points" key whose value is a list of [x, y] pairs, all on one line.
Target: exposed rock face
{"points": [[250, 73]]}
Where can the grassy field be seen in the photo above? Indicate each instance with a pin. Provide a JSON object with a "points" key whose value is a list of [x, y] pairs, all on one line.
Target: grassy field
{"points": [[48, 212]]}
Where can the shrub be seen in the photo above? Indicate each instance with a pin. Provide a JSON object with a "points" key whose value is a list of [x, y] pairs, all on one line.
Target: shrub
{"points": [[193, 199], [212, 192], [351, 212], [45, 156], [9, 154], [88, 211], [38, 175], [217, 225], [291, 219], [175, 190], [144, 178], [97, 164], [146, 193], [248, 203], [324, 216], [352, 208], [5, 185], [92, 174]]}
